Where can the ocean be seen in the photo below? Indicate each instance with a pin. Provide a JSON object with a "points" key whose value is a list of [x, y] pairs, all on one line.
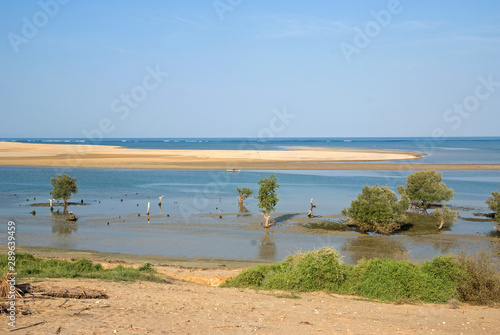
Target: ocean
{"points": [[188, 224]]}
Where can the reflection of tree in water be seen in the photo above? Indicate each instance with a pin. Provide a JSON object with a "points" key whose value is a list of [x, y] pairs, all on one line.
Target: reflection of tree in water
{"points": [[267, 248], [374, 246], [243, 210], [441, 243], [62, 227]]}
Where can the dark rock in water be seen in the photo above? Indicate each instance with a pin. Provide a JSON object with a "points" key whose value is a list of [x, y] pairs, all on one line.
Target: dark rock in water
{"points": [[108, 223], [81, 201], [487, 215], [121, 200], [138, 214], [33, 212], [71, 217]]}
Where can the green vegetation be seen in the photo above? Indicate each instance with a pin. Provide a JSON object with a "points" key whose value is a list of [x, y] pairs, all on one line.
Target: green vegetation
{"points": [[312, 271], [425, 188], [243, 194], [329, 225], [377, 209], [482, 286], [404, 281], [28, 266], [63, 187], [471, 279], [445, 215], [267, 197], [493, 203]]}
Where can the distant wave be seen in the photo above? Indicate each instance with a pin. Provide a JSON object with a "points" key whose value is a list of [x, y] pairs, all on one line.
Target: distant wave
{"points": [[443, 148]]}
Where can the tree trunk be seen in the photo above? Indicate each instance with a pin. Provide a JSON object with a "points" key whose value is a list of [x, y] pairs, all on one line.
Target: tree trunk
{"points": [[267, 217], [240, 201], [441, 225], [310, 213]]}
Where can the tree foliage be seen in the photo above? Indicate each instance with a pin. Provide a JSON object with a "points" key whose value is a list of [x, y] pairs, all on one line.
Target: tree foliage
{"points": [[493, 203], [425, 188], [446, 215], [243, 194], [268, 198], [377, 209], [63, 187]]}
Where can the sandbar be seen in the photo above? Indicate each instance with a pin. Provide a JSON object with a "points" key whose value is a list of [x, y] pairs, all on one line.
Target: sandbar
{"points": [[293, 158]]}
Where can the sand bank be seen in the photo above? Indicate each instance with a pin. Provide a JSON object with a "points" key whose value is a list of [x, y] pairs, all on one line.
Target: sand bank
{"points": [[296, 158]]}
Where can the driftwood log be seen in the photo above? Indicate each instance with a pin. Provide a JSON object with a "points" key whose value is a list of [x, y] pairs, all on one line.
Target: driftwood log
{"points": [[61, 292]]}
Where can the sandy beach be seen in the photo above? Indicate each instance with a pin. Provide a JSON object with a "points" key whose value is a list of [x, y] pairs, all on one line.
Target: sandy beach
{"points": [[295, 158], [101, 156], [189, 302]]}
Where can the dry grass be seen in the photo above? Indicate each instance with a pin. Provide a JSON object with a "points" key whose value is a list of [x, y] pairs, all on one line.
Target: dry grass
{"points": [[5, 286]]}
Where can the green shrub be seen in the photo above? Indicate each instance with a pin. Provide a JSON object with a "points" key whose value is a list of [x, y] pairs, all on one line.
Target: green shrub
{"points": [[425, 188], [377, 209], [401, 281], [249, 278], [313, 271], [29, 266], [329, 225], [493, 203], [146, 267], [472, 279], [481, 286]]}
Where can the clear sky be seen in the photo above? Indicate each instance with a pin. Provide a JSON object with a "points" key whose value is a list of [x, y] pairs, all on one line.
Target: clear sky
{"points": [[237, 68]]}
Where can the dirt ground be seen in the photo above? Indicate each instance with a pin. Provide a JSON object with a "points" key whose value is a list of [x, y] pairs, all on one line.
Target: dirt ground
{"points": [[189, 302]]}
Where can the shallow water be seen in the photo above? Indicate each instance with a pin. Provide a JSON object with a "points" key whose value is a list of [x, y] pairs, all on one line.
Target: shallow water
{"points": [[191, 196]]}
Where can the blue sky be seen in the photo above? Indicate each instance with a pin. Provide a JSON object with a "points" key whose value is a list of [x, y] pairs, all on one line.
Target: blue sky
{"points": [[229, 68]]}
